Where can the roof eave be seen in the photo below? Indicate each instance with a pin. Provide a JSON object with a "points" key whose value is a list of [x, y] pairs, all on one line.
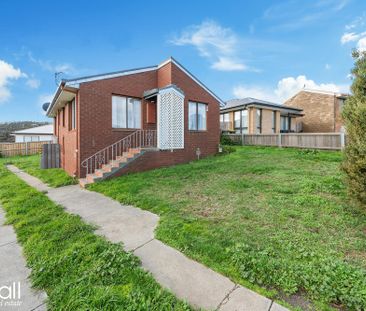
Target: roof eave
{"points": [[59, 92]]}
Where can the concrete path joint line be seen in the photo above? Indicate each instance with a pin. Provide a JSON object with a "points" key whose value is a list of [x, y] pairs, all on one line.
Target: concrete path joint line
{"points": [[142, 245], [37, 308], [12, 242], [189, 280], [227, 297]]}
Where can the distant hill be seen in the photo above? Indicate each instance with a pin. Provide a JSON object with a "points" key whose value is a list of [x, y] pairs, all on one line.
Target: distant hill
{"points": [[7, 128]]}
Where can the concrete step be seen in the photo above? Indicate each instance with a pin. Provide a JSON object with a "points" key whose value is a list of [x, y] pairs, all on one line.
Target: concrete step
{"points": [[121, 159], [108, 168], [112, 166], [83, 182], [134, 150], [92, 178]]}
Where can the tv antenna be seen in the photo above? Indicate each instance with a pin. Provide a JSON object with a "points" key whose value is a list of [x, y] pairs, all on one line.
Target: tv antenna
{"points": [[58, 77]]}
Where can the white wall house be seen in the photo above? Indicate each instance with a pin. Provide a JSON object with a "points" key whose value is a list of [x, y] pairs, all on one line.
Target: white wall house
{"points": [[39, 133]]}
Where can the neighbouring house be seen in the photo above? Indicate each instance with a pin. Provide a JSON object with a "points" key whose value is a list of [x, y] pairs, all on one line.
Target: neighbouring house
{"points": [[39, 133], [254, 116], [134, 120], [322, 110]]}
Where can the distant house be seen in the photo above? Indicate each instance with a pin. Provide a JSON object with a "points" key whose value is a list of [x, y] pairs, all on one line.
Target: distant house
{"points": [[39, 133], [255, 116], [322, 110], [134, 120]]}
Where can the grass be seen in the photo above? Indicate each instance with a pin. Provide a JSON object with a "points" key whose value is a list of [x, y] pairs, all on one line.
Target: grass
{"points": [[54, 177], [77, 269], [276, 220]]}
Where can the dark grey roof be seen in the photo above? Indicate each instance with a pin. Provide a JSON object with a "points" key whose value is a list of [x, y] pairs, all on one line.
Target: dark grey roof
{"points": [[110, 73], [233, 103]]}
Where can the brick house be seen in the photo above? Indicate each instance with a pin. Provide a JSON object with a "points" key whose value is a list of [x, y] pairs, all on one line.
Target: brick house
{"points": [[322, 110], [134, 120], [254, 116]]}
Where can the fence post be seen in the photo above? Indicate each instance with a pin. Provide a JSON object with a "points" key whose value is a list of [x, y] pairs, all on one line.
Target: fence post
{"points": [[26, 148], [242, 139], [279, 140], [342, 140]]}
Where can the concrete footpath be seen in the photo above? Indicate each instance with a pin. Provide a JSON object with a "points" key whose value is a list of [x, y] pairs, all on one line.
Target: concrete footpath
{"points": [[15, 288], [186, 278]]}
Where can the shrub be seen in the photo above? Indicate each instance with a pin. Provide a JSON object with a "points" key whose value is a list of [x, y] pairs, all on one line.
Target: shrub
{"points": [[354, 115], [226, 140], [228, 149]]}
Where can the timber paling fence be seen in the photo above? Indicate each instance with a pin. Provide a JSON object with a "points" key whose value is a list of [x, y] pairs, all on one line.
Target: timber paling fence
{"points": [[16, 149], [331, 141]]}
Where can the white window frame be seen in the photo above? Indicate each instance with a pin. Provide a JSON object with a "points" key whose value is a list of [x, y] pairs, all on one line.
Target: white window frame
{"points": [[196, 122], [73, 114], [127, 99]]}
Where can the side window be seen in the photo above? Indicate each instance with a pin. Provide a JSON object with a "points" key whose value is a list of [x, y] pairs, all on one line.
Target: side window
{"points": [[197, 118]]}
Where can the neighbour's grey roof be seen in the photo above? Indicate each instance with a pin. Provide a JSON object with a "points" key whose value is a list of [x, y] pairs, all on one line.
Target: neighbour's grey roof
{"points": [[233, 103], [40, 130]]}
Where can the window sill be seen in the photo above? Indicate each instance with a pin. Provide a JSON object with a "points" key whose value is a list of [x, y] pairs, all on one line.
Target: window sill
{"points": [[197, 131], [125, 129]]}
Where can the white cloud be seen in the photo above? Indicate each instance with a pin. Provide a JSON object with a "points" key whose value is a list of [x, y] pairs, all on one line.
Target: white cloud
{"points": [[7, 73], [33, 83], [294, 14], [214, 42], [358, 34], [349, 37], [360, 21], [286, 88], [258, 92], [66, 68], [361, 44], [228, 64]]}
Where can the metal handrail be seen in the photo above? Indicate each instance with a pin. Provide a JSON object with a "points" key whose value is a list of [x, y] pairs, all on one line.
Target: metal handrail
{"points": [[138, 139]]}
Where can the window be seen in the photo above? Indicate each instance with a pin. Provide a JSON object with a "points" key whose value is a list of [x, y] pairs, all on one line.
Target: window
{"points": [[197, 116], [27, 138], [73, 115], [241, 121], [244, 121], [258, 121], [340, 103], [126, 112], [284, 124], [226, 117], [237, 120], [274, 121], [63, 116], [221, 118]]}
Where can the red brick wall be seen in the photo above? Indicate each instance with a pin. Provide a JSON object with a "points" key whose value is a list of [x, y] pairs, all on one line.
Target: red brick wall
{"points": [[207, 141], [68, 140], [96, 130], [95, 119]]}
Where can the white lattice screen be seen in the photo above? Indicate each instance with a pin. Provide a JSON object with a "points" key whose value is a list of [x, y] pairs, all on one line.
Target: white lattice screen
{"points": [[170, 119]]}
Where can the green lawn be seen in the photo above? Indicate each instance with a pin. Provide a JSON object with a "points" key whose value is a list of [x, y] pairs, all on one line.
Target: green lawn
{"points": [[276, 220], [77, 269], [31, 164]]}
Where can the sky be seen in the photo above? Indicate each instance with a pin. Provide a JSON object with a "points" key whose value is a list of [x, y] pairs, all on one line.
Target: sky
{"points": [[263, 49]]}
